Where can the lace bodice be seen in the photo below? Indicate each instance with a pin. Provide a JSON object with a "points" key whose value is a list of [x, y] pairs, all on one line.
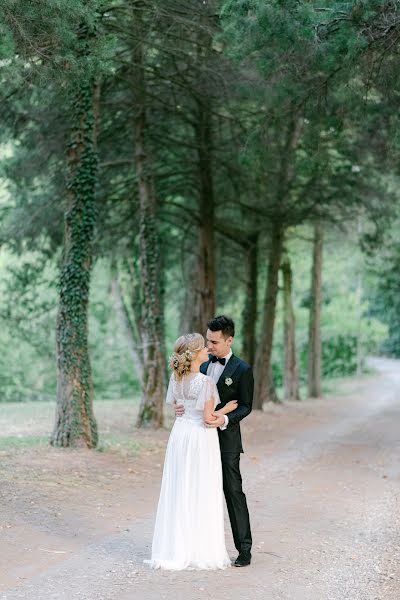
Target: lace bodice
{"points": [[193, 390]]}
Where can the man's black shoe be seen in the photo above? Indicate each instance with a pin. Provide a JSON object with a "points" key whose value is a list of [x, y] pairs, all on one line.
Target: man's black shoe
{"points": [[243, 559]]}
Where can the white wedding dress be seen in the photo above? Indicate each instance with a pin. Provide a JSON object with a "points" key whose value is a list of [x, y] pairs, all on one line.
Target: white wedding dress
{"points": [[189, 528]]}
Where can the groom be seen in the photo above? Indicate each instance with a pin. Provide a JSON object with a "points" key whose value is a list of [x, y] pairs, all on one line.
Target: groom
{"points": [[234, 379]]}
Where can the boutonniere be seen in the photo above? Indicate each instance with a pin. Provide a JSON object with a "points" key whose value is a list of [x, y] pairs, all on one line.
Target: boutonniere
{"points": [[228, 381]]}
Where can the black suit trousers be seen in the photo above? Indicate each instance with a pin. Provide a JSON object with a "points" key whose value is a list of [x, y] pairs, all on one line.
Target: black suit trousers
{"points": [[236, 501]]}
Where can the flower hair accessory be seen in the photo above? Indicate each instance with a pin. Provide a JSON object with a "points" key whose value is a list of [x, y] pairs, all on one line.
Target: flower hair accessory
{"points": [[180, 362], [185, 351]]}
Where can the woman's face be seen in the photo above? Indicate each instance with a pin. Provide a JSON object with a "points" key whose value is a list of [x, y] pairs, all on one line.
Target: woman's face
{"points": [[203, 354]]}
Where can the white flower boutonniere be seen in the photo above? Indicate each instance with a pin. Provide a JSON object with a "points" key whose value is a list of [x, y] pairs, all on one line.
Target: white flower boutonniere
{"points": [[228, 381]]}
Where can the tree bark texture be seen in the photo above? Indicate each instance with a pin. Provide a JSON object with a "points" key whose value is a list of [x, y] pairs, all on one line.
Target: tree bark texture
{"points": [[264, 385], [291, 377], [314, 329], [264, 390], [204, 301], [152, 334], [205, 282], [75, 424]]}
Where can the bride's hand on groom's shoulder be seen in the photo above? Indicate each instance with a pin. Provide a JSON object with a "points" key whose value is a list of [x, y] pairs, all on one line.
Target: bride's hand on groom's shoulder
{"points": [[179, 409]]}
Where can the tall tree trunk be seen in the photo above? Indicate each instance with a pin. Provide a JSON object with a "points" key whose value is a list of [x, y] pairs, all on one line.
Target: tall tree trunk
{"points": [[75, 424], [314, 329], [264, 390], [291, 378], [205, 281], [152, 334], [250, 302], [272, 395]]}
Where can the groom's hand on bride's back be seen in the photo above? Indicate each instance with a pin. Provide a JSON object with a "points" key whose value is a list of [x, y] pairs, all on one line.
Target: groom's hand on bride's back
{"points": [[179, 409]]}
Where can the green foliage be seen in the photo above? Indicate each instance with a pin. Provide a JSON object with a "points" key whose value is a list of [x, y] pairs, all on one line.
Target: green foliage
{"points": [[42, 36], [121, 444], [303, 127], [339, 356], [28, 316], [28, 441], [114, 375], [346, 314], [384, 291]]}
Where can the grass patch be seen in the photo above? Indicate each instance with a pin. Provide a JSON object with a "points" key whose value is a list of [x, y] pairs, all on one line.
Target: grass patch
{"points": [[118, 443], [332, 385], [28, 441], [36, 419]]}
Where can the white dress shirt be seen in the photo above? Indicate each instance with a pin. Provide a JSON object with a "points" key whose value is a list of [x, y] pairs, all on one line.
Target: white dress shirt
{"points": [[215, 370]]}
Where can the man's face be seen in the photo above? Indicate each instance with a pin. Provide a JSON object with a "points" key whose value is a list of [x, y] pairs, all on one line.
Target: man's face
{"points": [[217, 344]]}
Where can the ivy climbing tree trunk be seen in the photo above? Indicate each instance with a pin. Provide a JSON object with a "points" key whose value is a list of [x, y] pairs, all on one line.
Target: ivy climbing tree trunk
{"points": [[75, 424], [291, 377], [264, 389], [314, 328], [152, 332]]}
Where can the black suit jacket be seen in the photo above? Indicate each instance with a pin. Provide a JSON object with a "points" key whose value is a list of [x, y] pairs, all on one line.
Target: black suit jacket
{"points": [[241, 389]]}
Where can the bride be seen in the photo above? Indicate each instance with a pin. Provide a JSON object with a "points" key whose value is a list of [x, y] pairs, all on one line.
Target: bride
{"points": [[189, 528]]}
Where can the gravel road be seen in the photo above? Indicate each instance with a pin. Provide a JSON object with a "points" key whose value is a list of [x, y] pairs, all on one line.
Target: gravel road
{"points": [[324, 502]]}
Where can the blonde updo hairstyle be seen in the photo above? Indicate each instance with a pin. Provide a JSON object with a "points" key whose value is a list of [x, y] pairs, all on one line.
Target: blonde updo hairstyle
{"points": [[186, 349]]}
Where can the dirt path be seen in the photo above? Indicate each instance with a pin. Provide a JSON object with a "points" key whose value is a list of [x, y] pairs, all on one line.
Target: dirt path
{"points": [[322, 480]]}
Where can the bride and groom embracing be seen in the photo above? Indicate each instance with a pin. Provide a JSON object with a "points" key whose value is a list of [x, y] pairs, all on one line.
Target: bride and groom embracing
{"points": [[210, 393]]}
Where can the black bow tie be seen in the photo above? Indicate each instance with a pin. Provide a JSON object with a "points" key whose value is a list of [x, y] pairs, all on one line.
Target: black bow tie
{"points": [[214, 359]]}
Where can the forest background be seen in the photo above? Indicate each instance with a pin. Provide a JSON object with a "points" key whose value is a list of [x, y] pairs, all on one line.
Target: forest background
{"points": [[163, 162]]}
